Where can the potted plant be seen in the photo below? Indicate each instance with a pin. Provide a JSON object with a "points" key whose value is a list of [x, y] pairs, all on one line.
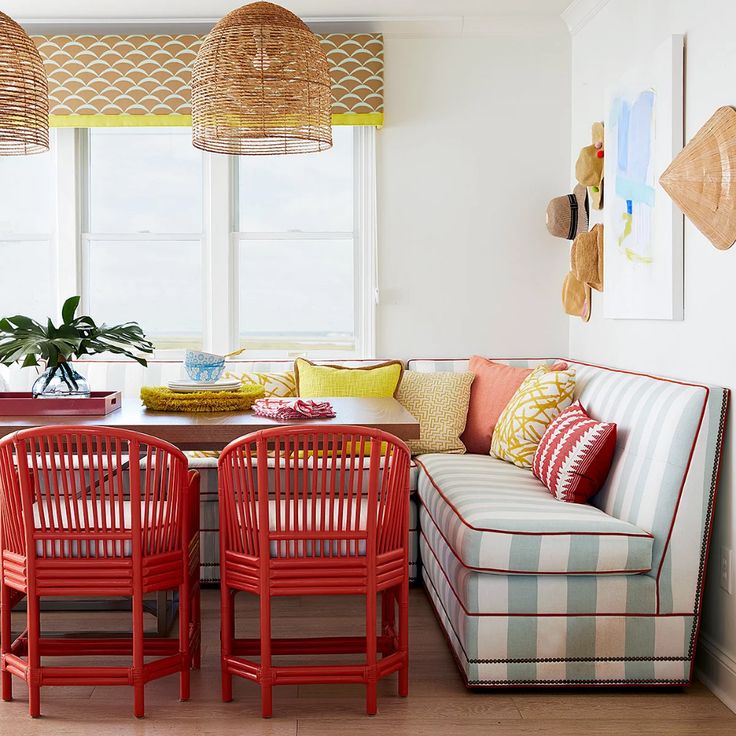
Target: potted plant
{"points": [[22, 339]]}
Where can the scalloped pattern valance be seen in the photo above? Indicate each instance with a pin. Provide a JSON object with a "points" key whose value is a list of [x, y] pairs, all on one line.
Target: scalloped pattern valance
{"points": [[142, 80]]}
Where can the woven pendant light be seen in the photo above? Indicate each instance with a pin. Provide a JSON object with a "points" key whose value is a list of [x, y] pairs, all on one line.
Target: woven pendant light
{"points": [[24, 93], [261, 85]]}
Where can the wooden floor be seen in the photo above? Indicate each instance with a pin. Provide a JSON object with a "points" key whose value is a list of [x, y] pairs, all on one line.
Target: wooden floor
{"points": [[438, 703]]}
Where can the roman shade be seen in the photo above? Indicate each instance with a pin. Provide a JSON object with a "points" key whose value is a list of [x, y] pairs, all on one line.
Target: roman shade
{"points": [[141, 80]]}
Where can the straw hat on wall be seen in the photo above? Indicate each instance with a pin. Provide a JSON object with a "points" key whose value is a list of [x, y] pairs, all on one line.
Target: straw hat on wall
{"points": [[701, 179], [576, 297], [567, 216], [586, 256], [589, 166]]}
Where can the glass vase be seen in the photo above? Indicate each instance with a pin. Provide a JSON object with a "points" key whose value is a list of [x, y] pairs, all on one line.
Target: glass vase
{"points": [[60, 382]]}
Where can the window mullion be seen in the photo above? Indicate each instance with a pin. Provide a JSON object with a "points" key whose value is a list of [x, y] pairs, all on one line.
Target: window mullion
{"points": [[69, 159], [218, 261], [366, 240]]}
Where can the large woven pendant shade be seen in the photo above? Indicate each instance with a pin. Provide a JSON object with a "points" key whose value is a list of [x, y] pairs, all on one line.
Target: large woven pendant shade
{"points": [[261, 85], [24, 93]]}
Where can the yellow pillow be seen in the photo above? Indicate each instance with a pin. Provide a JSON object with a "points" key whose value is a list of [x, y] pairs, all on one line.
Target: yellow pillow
{"points": [[376, 381], [439, 401], [543, 394], [281, 384]]}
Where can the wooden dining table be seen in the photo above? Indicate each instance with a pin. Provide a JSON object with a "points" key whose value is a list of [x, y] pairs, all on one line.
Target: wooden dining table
{"points": [[212, 431]]}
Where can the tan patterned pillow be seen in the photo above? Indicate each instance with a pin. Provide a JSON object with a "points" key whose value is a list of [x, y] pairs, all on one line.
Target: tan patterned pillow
{"points": [[281, 384], [540, 398], [439, 401]]}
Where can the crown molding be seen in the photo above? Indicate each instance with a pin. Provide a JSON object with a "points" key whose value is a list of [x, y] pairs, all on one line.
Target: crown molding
{"points": [[409, 26], [580, 12]]}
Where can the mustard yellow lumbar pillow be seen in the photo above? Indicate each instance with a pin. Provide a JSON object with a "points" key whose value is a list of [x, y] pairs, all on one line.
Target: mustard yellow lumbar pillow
{"points": [[376, 381], [279, 384], [543, 394], [439, 401]]}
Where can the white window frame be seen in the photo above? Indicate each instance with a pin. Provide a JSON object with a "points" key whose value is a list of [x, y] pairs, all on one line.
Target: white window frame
{"points": [[219, 239], [363, 237], [51, 237]]}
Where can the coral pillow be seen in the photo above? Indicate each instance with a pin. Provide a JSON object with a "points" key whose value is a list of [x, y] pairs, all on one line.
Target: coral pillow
{"points": [[492, 389], [540, 399], [574, 456]]}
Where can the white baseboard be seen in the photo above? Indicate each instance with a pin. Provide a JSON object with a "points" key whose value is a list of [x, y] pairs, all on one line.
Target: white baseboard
{"points": [[716, 669]]}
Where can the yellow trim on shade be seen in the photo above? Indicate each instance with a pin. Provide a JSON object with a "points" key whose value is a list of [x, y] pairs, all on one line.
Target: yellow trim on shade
{"points": [[118, 121], [350, 118], [143, 121]]}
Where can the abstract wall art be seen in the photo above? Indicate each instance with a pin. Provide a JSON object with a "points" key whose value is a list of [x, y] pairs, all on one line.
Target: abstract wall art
{"points": [[643, 229]]}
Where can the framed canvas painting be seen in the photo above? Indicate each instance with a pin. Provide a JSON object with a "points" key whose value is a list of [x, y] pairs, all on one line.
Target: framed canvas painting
{"points": [[643, 251]]}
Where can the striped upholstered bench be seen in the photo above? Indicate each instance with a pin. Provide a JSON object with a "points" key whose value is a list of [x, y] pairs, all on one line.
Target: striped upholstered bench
{"points": [[128, 377], [533, 591]]}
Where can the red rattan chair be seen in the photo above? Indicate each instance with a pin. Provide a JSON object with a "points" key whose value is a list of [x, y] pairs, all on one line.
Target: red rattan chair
{"points": [[315, 510], [88, 511]]}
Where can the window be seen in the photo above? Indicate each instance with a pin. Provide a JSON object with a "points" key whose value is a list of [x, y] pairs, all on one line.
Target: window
{"points": [[296, 246], [142, 253], [274, 253], [27, 213]]}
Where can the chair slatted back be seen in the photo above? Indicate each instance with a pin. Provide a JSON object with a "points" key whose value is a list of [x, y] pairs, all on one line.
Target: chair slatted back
{"points": [[89, 492], [317, 491]]}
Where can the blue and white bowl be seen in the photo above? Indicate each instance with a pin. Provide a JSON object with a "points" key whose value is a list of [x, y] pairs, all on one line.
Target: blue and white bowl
{"points": [[203, 367]]}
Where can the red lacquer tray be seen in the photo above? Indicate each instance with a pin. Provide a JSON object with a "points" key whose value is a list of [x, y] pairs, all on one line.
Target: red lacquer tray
{"points": [[22, 403]]}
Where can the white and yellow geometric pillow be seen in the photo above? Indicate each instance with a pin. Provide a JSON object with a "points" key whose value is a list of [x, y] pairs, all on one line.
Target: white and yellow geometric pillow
{"points": [[439, 401], [540, 398], [282, 384]]}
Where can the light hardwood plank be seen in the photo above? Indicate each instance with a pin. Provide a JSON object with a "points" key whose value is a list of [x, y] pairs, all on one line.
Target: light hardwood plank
{"points": [[438, 702]]}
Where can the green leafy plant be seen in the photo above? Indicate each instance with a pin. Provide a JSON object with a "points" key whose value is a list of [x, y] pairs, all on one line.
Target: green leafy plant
{"points": [[22, 339]]}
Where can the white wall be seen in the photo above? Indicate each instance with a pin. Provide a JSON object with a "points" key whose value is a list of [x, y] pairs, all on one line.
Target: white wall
{"points": [[476, 142], [702, 347]]}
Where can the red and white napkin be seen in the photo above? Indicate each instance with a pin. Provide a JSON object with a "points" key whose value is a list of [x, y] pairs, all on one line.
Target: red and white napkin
{"points": [[293, 409]]}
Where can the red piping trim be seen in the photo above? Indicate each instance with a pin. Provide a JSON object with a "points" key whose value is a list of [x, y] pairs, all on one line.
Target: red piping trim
{"points": [[643, 535]]}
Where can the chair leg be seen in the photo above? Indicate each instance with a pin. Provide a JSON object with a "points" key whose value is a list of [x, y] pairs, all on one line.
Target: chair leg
{"points": [[227, 630], [388, 613], [185, 648], [370, 651], [404, 637], [7, 678], [266, 686], [138, 684], [197, 626], [33, 613]]}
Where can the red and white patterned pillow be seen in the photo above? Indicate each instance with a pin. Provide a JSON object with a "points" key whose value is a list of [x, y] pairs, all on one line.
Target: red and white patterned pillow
{"points": [[575, 454]]}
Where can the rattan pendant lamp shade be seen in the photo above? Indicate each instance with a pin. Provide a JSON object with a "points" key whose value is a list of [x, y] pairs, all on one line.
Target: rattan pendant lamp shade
{"points": [[24, 93], [261, 85]]}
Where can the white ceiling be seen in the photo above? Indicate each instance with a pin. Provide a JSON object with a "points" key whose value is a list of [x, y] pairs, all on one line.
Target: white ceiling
{"points": [[77, 10]]}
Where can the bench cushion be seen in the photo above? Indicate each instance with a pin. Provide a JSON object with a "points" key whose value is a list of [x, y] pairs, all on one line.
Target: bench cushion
{"points": [[499, 518]]}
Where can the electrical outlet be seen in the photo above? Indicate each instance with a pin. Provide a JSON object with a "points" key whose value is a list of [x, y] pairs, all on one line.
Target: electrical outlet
{"points": [[725, 570]]}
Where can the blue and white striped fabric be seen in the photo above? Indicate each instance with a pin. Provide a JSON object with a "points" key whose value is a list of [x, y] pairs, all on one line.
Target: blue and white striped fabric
{"points": [[500, 518], [482, 593], [511, 649]]}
